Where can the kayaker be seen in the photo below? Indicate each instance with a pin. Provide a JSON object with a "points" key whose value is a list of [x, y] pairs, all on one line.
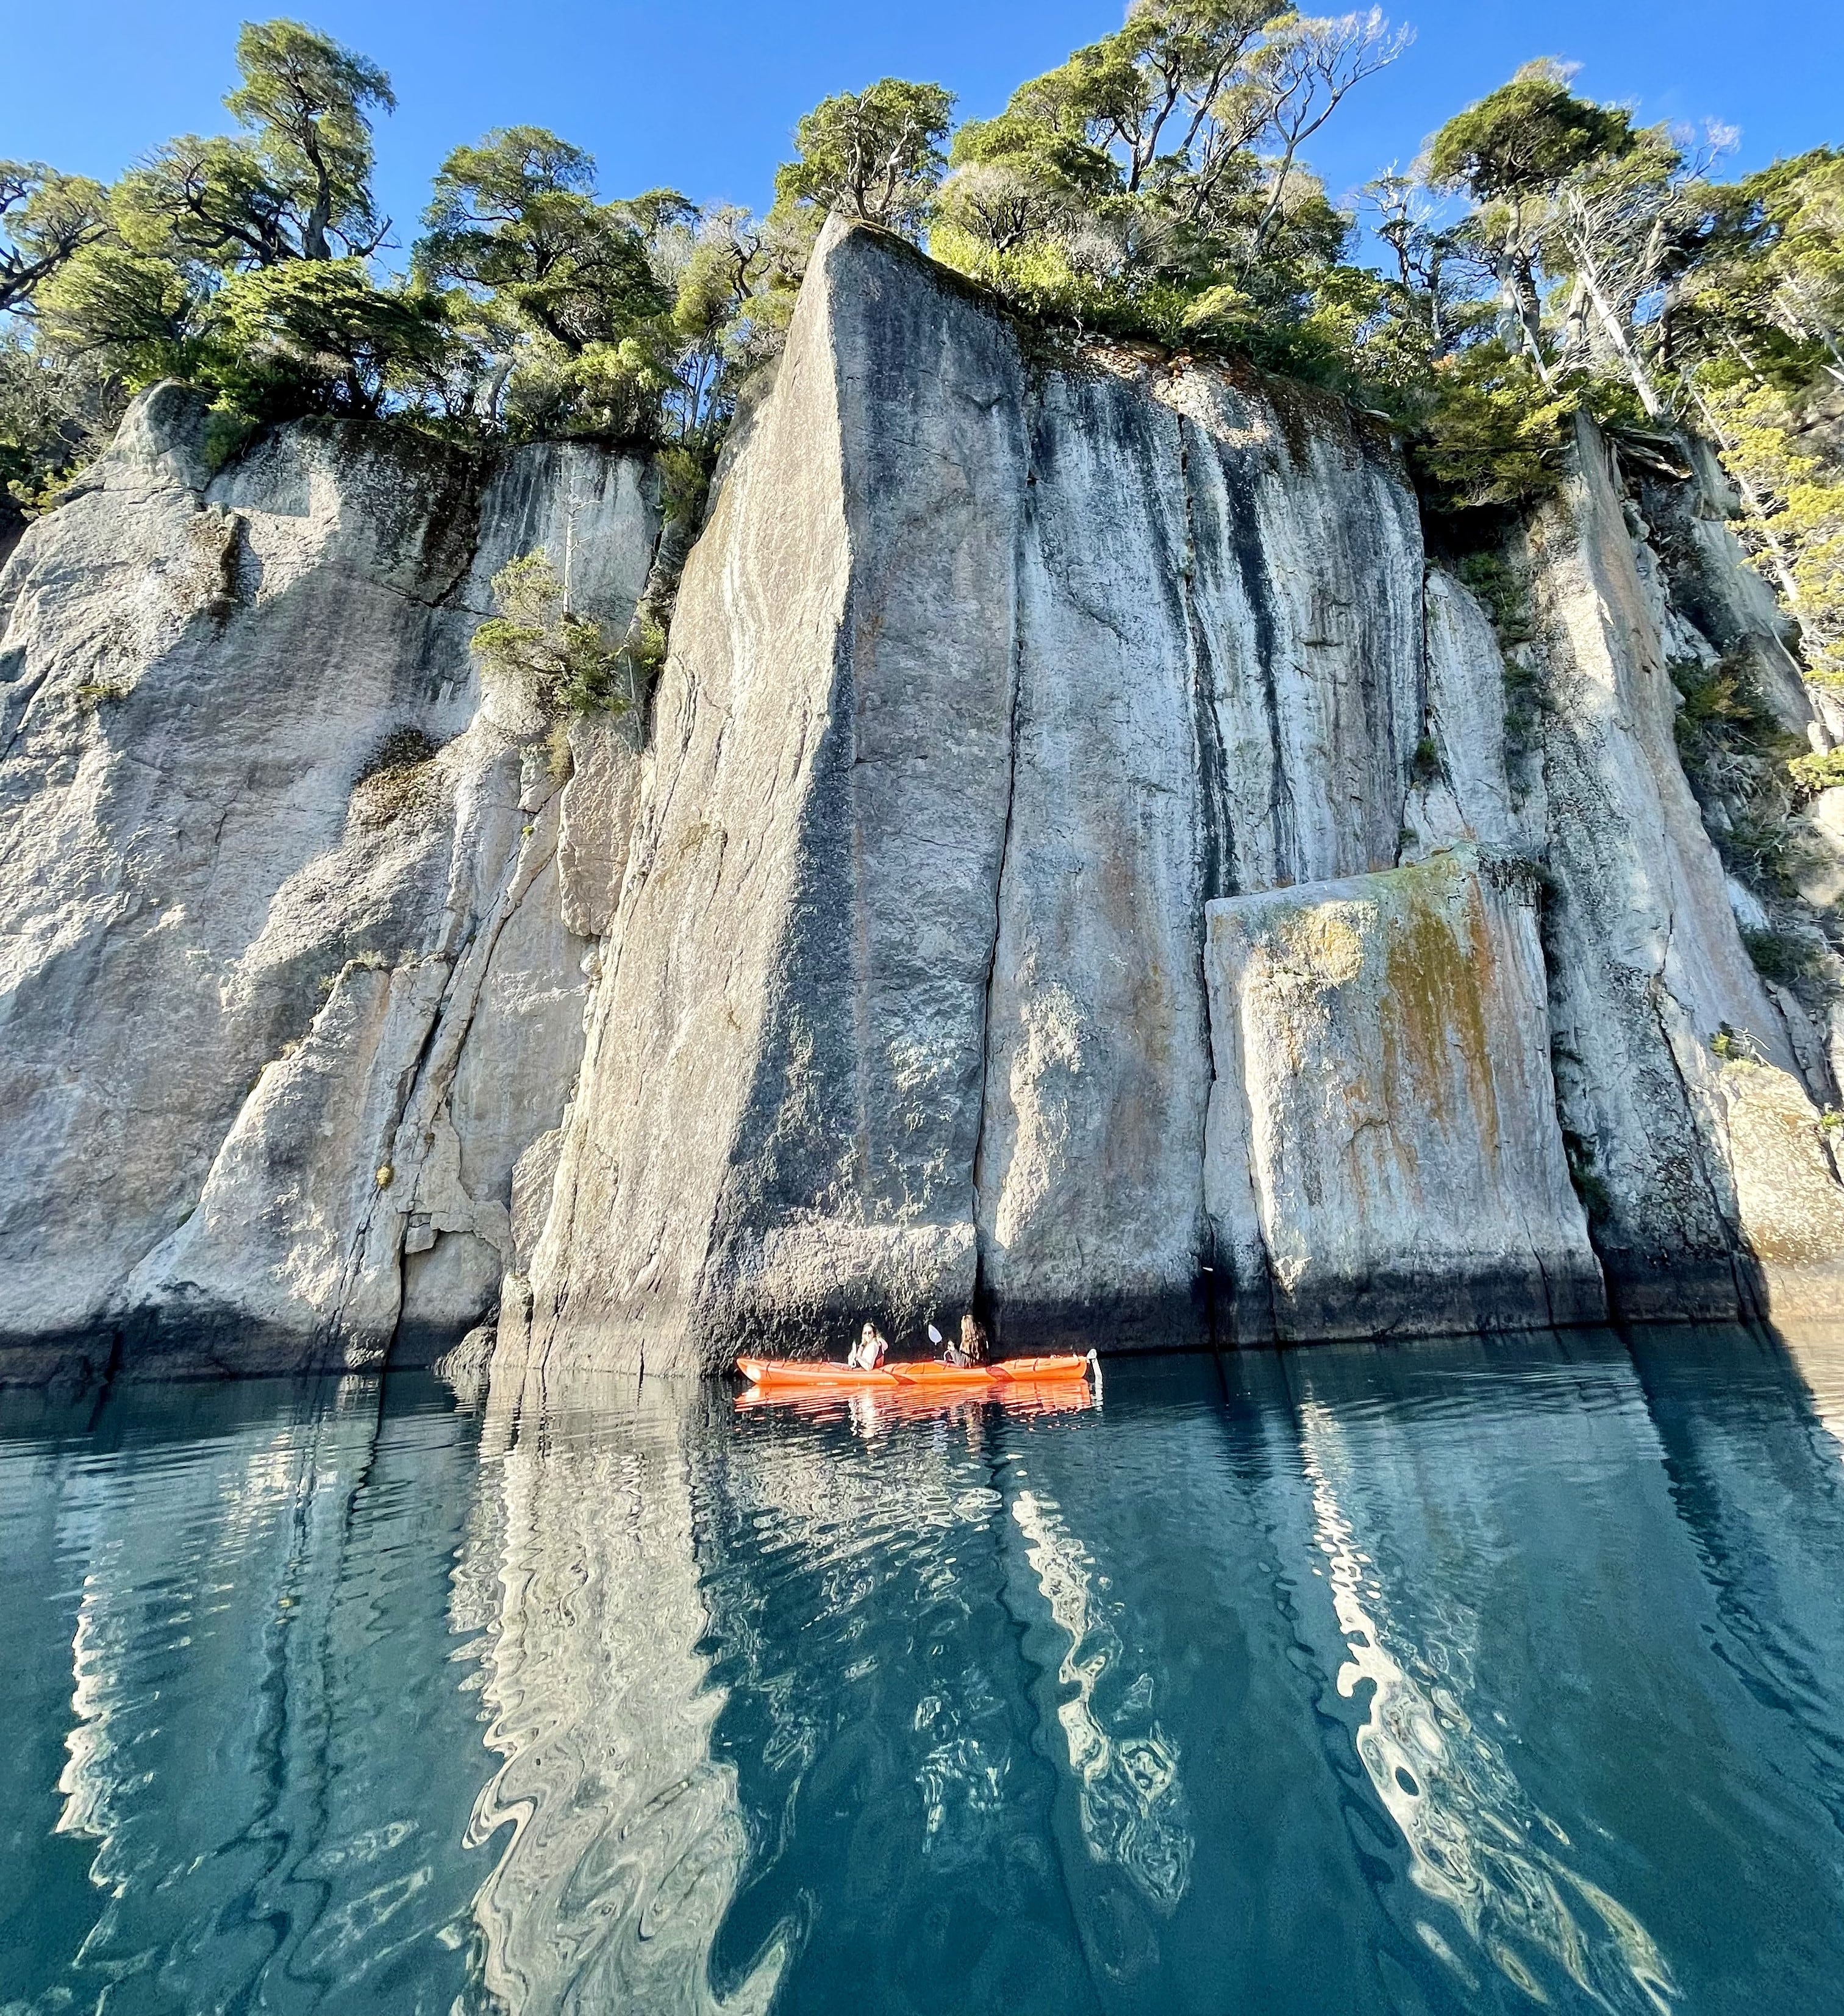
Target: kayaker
{"points": [[868, 1353], [952, 1354], [973, 1343]]}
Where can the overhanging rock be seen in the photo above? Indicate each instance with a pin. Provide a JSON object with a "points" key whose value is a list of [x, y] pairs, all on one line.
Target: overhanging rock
{"points": [[1383, 1153]]}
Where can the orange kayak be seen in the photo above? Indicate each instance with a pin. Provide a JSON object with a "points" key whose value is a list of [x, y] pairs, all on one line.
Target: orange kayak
{"points": [[876, 1406], [792, 1374]]}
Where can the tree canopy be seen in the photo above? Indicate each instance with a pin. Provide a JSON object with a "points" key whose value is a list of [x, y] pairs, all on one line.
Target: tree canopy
{"points": [[874, 154], [1546, 254], [46, 220]]}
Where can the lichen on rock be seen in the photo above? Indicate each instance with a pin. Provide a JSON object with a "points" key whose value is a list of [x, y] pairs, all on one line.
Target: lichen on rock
{"points": [[1384, 1154]]}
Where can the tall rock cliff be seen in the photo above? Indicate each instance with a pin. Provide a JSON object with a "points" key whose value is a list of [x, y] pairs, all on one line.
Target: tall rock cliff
{"points": [[992, 678], [1081, 862], [289, 974]]}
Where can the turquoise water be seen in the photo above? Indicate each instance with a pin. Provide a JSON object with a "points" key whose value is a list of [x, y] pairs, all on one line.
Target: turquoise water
{"points": [[1429, 1679]]}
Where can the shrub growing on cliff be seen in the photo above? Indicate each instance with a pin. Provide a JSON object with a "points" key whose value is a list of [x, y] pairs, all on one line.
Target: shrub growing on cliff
{"points": [[567, 661], [55, 415], [1816, 773], [1736, 759]]}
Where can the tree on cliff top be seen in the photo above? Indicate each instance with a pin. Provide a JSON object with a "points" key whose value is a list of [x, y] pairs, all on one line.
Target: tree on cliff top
{"points": [[239, 260], [624, 319], [1155, 182], [46, 220], [874, 154], [295, 185], [517, 218], [1511, 152]]}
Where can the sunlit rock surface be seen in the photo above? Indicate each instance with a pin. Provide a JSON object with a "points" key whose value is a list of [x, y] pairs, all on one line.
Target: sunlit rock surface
{"points": [[987, 677], [865, 974], [275, 1023], [1384, 1148], [983, 679]]}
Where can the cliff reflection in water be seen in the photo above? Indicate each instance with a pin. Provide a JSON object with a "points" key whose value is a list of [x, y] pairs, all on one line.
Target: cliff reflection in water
{"points": [[624, 1836], [1454, 1677]]}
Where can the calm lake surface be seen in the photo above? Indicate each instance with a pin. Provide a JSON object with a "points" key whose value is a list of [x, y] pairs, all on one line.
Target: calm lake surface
{"points": [[1434, 1678]]}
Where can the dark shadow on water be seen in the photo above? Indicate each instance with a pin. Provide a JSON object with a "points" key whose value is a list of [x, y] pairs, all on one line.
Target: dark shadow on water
{"points": [[1758, 1478]]}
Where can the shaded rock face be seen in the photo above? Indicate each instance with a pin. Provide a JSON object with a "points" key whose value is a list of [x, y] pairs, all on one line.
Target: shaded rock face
{"points": [[918, 952], [1695, 1216], [289, 964], [1384, 1153]]}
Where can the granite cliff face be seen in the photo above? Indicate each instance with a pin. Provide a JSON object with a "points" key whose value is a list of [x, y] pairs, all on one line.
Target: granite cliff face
{"points": [[290, 964], [991, 682], [1082, 861]]}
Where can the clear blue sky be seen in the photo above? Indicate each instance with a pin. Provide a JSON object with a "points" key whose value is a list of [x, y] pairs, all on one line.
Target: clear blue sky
{"points": [[703, 96]]}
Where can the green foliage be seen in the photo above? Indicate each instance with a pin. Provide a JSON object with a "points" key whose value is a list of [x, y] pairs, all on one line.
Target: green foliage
{"points": [[91, 694], [1505, 592], [131, 314], [1754, 328], [1590, 1186], [306, 102], [1491, 433], [295, 184], [684, 483], [1731, 1045], [1550, 257], [516, 219], [1715, 707], [1816, 773], [1782, 956], [1790, 471], [632, 320], [318, 336], [874, 154], [56, 414], [1736, 760], [567, 662], [228, 429], [1152, 185], [46, 219], [1526, 136], [238, 262]]}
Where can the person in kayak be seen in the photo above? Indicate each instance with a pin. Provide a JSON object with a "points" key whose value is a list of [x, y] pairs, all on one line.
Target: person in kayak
{"points": [[869, 1352], [969, 1349]]}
